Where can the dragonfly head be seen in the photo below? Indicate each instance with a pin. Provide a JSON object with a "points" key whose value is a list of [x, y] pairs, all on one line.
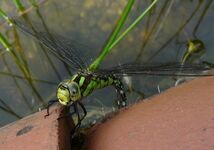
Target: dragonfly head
{"points": [[68, 92]]}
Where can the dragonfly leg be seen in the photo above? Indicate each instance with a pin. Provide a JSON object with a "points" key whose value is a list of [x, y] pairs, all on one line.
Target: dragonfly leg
{"points": [[79, 120], [70, 114], [76, 111], [121, 95], [84, 110], [50, 103], [72, 133]]}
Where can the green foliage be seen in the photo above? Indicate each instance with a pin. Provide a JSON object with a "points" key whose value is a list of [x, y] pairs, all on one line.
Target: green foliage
{"points": [[114, 39], [19, 5]]}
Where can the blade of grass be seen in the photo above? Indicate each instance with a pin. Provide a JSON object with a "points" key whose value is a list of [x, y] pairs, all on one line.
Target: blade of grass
{"points": [[20, 64], [132, 25], [113, 36], [177, 32], [8, 47], [113, 41], [19, 89], [3, 15], [33, 3], [2, 73], [18, 47], [7, 109], [19, 5]]}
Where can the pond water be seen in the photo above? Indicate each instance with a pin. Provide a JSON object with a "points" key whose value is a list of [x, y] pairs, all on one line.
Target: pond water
{"points": [[164, 35]]}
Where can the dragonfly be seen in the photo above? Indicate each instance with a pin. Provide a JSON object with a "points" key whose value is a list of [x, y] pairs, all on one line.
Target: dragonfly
{"points": [[70, 92]]}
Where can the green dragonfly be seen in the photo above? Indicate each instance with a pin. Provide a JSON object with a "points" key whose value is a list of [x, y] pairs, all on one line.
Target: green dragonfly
{"points": [[70, 92]]}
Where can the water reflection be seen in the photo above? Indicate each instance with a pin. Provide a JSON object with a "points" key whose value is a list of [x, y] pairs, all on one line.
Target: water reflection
{"points": [[30, 74]]}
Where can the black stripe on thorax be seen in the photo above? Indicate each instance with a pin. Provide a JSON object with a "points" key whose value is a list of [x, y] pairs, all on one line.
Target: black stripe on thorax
{"points": [[86, 82]]}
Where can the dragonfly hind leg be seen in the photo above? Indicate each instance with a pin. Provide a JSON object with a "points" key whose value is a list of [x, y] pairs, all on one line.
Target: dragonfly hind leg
{"points": [[78, 116], [121, 95]]}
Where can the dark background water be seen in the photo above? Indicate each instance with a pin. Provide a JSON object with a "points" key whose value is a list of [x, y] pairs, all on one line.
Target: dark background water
{"points": [[162, 36]]}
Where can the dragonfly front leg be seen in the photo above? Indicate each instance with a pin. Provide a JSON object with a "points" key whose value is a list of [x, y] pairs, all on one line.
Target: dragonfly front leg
{"points": [[121, 95], [50, 103]]}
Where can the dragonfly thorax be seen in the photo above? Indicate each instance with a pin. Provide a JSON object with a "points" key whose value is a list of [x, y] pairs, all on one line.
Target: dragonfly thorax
{"points": [[68, 92]]}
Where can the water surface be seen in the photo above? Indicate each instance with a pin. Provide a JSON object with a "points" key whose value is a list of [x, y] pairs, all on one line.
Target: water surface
{"points": [[163, 36]]}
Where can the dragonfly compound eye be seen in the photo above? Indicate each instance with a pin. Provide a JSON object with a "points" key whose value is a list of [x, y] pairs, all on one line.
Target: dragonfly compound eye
{"points": [[74, 91]]}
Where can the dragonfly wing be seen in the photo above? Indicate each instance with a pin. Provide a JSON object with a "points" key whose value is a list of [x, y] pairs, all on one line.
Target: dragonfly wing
{"points": [[58, 45], [169, 69]]}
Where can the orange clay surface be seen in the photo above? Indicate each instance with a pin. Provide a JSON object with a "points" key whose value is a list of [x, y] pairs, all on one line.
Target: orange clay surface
{"points": [[181, 118], [37, 133]]}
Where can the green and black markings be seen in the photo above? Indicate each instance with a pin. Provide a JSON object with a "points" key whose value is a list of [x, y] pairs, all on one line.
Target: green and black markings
{"points": [[83, 84]]}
